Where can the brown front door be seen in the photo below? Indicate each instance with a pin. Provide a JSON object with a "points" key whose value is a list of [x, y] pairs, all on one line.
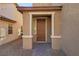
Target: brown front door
{"points": [[40, 29]]}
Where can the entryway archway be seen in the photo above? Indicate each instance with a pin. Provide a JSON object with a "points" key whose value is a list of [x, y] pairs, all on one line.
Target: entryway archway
{"points": [[39, 27]]}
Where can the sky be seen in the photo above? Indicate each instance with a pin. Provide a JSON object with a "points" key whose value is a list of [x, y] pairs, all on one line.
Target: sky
{"points": [[25, 4]]}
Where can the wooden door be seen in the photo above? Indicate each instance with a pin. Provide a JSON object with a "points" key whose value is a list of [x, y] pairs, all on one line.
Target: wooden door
{"points": [[40, 29]]}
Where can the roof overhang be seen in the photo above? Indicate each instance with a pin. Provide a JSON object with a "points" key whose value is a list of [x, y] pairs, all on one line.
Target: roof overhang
{"points": [[6, 19], [40, 8]]}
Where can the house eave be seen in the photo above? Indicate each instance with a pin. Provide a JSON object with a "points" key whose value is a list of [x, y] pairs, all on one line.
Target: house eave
{"points": [[42, 8]]}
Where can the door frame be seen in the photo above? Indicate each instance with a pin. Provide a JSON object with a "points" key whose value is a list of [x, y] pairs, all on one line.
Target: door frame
{"points": [[45, 29]]}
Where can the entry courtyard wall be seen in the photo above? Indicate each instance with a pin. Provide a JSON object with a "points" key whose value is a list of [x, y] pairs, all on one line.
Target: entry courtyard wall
{"points": [[70, 29], [10, 11]]}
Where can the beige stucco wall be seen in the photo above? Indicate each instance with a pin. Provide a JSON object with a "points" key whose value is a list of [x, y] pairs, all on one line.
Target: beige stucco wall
{"points": [[9, 11], [70, 29], [8, 37]]}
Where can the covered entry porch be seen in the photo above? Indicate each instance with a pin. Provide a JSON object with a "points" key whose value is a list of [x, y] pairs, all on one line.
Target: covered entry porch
{"points": [[32, 33]]}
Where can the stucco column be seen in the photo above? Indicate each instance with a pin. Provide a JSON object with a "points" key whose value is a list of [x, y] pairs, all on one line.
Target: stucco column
{"points": [[55, 39], [27, 31]]}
